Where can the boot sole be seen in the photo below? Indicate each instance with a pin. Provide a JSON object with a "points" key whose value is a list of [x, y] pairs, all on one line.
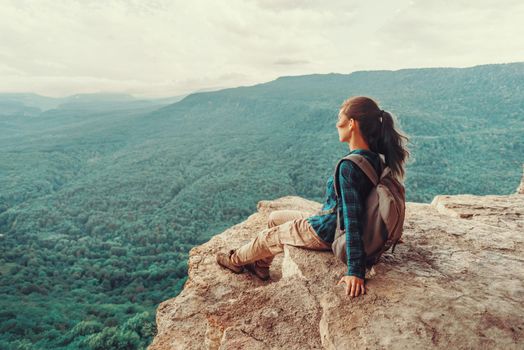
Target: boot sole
{"points": [[251, 269]]}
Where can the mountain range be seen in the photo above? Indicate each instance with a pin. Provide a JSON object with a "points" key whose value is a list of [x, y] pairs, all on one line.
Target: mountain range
{"points": [[103, 195]]}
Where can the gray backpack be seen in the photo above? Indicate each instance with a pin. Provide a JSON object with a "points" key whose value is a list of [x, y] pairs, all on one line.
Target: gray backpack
{"points": [[384, 212]]}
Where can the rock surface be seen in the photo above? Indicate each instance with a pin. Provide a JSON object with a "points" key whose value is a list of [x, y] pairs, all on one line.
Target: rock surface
{"points": [[455, 283]]}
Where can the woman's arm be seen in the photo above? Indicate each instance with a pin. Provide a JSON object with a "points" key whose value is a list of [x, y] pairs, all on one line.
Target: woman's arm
{"points": [[350, 178]]}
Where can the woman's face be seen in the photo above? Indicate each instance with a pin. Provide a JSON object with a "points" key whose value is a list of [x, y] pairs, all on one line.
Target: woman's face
{"points": [[344, 127]]}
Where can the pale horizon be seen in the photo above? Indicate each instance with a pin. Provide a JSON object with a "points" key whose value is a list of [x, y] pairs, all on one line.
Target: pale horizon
{"points": [[157, 49], [228, 87]]}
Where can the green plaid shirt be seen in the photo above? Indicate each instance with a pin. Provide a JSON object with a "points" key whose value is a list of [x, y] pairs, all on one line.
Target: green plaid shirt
{"points": [[355, 187]]}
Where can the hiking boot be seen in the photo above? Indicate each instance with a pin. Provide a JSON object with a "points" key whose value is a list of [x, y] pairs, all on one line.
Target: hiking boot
{"points": [[224, 260], [260, 272]]}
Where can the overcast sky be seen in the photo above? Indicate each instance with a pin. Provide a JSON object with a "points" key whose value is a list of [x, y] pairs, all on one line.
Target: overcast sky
{"points": [[169, 47]]}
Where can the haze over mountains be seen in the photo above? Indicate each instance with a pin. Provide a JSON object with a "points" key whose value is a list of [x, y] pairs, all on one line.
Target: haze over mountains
{"points": [[34, 104], [103, 195]]}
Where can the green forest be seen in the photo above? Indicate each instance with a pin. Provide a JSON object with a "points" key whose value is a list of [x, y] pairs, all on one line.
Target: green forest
{"points": [[102, 197]]}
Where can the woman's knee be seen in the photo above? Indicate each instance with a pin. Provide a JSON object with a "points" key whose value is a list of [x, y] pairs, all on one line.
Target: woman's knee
{"points": [[272, 219], [278, 217]]}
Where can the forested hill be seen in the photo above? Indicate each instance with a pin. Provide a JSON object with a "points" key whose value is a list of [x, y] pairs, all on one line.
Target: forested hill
{"points": [[100, 201], [464, 123]]}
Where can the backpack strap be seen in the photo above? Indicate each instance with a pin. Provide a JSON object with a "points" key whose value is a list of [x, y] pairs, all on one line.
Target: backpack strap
{"points": [[394, 245], [365, 166]]}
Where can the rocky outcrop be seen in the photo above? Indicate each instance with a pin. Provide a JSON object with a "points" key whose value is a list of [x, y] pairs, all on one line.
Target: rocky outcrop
{"points": [[456, 282]]}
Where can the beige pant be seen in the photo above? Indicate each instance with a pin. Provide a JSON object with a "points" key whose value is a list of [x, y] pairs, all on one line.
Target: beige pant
{"points": [[284, 227]]}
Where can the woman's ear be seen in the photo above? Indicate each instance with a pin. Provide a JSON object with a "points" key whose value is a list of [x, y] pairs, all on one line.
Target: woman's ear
{"points": [[350, 124]]}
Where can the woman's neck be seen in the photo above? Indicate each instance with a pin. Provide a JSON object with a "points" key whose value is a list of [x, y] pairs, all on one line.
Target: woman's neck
{"points": [[357, 144]]}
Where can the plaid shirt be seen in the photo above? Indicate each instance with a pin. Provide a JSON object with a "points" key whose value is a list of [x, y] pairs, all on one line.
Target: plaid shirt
{"points": [[355, 187]]}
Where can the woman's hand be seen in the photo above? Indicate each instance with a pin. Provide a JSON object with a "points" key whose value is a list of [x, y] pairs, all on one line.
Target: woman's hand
{"points": [[354, 285]]}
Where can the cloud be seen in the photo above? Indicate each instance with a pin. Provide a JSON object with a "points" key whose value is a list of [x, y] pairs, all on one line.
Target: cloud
{"points": [[290, 61], [454, 33], [172, 47]]}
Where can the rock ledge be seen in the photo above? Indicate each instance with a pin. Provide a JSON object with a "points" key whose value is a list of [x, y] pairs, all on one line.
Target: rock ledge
{"points": [[456, 282]]}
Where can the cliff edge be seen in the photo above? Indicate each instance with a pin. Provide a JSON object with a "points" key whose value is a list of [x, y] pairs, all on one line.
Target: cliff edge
{"points": [[456, 282]]}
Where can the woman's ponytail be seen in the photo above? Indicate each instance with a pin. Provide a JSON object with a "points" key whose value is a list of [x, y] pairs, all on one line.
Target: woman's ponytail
{"points": [[379, 129], [392, 144]]}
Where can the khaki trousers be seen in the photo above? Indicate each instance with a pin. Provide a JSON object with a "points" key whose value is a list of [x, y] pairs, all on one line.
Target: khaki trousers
{"points": [[283, 227]]}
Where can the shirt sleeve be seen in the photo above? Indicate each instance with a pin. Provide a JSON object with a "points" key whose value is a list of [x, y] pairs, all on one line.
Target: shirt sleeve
{"points": [[352, 206]]}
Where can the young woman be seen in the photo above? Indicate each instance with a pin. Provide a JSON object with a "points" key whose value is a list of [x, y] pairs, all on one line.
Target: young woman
{"points": [[368, 131]]}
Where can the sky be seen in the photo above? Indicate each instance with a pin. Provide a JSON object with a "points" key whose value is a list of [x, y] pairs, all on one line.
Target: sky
{"points": [[166, 48]]}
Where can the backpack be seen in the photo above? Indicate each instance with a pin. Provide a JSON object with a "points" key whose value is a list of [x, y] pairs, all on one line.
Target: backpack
{"points": [[384, 212]]}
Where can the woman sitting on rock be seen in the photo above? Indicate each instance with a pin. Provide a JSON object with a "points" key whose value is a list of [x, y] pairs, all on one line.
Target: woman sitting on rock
{"points": [[368, 131]]}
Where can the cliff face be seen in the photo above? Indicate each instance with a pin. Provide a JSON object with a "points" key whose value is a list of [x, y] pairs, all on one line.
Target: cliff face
{"points": [[455, 282]]}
